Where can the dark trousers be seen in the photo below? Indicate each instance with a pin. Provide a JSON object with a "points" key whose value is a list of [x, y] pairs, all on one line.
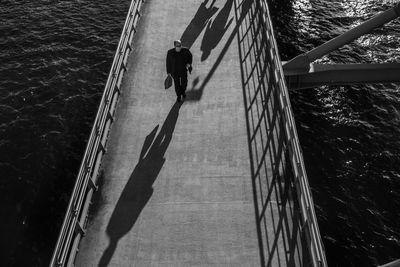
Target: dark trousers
{"points": [[180, 81]]}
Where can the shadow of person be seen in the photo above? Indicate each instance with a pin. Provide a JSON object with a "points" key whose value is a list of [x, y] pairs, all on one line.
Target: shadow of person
{"points": [[198, 23], [215, 30], [196, 92], [138, 189]]}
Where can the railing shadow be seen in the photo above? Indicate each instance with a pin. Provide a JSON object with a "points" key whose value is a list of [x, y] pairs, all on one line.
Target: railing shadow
{"points": [[280, 237], [138, 189]]}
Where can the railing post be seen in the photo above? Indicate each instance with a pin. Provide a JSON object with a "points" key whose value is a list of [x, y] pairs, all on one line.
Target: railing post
{"points": [[310, 224], [76, 214]]}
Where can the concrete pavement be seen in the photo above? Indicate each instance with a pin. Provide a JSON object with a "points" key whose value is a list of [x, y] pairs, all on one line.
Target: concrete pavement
{"points": [[176, 186]]}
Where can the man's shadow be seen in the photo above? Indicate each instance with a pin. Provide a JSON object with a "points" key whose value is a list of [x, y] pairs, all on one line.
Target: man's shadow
{"points": [[138, 189], [215, 30], [196, 92], [198, 23]]}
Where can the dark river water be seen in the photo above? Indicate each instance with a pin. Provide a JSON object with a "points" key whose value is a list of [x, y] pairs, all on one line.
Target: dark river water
{"points": [[54, 61], [350, 135]]}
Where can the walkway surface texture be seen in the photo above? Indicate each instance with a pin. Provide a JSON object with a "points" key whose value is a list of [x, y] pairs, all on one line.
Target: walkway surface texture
{"points": [[176, 188]]}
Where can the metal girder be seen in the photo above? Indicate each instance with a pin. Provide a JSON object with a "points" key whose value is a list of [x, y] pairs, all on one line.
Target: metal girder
{"points": [[343, 74], [302, 62], [395, 263]]}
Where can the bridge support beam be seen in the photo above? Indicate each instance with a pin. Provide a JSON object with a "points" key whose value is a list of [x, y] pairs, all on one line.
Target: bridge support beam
{"points": [[302, 62], [395, 263], [343, 74]]}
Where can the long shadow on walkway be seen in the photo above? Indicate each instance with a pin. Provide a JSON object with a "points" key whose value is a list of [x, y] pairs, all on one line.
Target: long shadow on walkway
{"points": [[198, 23], [138, 189], [196, 93], [215, 30]]}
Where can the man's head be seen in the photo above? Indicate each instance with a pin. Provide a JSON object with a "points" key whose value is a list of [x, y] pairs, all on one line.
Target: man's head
{"points": [[178, 45]]}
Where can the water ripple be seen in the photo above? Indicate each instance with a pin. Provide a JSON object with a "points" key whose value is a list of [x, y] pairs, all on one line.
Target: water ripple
{"points": [[349, 134], [54, 60]]}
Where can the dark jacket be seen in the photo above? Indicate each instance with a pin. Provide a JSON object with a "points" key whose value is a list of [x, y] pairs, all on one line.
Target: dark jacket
{"points": [[171, 56]]}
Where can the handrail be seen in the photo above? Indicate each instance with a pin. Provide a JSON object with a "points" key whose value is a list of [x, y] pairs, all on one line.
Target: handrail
{"points": [[75, 220], [309, 219]]}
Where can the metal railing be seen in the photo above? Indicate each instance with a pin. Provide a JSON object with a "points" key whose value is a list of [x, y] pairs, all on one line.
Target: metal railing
{"points": [[309, 220], [75, 220]]}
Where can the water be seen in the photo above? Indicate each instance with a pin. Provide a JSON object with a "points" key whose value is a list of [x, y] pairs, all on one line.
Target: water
{"points": [[349, 134], [54, 61]]}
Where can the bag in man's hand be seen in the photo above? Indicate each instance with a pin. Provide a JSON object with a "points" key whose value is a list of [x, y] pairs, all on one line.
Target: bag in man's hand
{"points": [[168, 82]]}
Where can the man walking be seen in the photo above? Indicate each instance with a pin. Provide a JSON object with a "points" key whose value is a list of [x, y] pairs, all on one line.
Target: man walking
{"points": [[179, 62]]}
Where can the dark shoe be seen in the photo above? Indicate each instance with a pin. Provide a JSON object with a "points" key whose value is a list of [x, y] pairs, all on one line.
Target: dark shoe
{"points": [[178, 99], [184, 95]]}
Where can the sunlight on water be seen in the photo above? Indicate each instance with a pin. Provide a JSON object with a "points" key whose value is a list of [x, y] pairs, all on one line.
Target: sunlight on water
{"points": [[349, 134], [54, 60]]}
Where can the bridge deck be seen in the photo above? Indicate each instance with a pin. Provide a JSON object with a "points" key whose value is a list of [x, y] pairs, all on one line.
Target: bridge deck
{"points": [[177, 188]]}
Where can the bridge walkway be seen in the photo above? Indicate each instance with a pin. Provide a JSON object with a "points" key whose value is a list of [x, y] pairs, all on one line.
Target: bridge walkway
{"points": [[177, 186]]}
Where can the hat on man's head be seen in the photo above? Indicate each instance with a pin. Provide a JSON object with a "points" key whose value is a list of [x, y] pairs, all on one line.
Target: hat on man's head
{"points": [[177, 42]]}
